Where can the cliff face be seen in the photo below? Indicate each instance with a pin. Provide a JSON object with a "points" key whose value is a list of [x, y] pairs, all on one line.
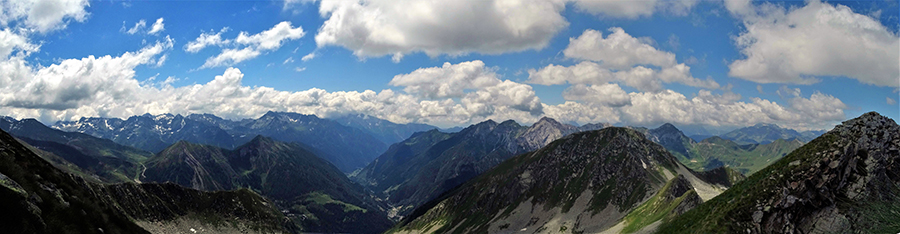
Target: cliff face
{"points": [[610, 179], [845, 181], [38, 198]]}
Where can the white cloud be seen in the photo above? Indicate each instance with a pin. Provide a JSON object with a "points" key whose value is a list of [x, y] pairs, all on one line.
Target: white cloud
{"points": [[308, 57], [74, 82], [249, 46], [448, 81], [605, 94], [634, 9], [157, 27], [106, 86], [375, 28], [819, 39], [617, 51], [618, 58], [300, 69], [230, 57], [42, 15], [890, 101], [288, 60], [618, 9], [273, 38], [639, 77], [207, 39], [137, 27], [819, 106], [11, 42]]}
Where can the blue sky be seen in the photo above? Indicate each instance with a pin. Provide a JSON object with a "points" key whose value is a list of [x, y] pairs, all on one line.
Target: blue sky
{"points": [[799, 64]]}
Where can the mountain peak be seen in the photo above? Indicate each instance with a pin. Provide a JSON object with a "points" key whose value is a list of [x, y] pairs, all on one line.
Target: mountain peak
{"points": [[546, 119], [769, 125], [668, 127]]}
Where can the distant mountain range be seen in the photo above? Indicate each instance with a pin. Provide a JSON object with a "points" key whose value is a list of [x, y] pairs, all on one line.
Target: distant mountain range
{"points": [[428, 164], [716, 152], [586, 182], [386, 131], [348, 148], [768, 133]]}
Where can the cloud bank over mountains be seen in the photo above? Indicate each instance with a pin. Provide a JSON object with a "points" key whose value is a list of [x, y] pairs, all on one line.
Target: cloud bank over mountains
{"points": [[617, 77]]}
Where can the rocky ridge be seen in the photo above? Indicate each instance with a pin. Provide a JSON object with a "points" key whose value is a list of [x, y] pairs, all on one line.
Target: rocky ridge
{"points": [[607, 180], [844, 181]]}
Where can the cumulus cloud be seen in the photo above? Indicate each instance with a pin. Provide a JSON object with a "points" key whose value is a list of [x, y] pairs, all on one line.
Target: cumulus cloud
{"points": [[639, 77], [472, 81], [819, 39], [447, 81], [157, 27], [605, 94], [247, 46], [617, 51], [42, 15], [11, 42], [374, 28], [619, 57], [106, 86], [74, 82]]}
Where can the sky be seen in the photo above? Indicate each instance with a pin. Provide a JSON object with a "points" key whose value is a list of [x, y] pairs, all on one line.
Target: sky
{"points": [[805, 65]]}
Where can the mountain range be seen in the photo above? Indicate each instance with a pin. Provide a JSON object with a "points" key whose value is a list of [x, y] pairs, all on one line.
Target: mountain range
{"points": [[386, 131], [281, 173], [95, 158], [348, 148], [428, 164], [39, 198], [714, 152], [767, 133], [615, 180], [311, 192], [587, 182]]}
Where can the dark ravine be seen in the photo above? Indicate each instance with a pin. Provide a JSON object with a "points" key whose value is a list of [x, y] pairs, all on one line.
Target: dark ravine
{"points": [[39, 198], [845, 181], [610, 179]]}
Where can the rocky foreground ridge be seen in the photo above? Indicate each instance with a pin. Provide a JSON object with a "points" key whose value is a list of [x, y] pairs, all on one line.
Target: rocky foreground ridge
{"points": [[845, 181], [39, 198]]}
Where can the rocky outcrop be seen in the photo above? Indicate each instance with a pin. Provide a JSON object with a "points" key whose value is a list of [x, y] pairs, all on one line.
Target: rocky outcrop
{"points": [[845, 181]]}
